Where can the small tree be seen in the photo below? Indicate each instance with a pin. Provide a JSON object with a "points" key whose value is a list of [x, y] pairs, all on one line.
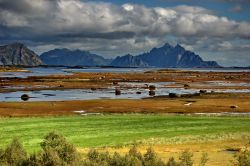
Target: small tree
{"points": [[56, 148], [151, 159], [172, 162], [204, 159], [186, 158], [243, 158], [14, 154]]}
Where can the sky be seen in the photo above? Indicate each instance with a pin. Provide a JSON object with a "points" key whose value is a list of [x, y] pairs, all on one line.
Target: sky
{"points": [[214, 29]]}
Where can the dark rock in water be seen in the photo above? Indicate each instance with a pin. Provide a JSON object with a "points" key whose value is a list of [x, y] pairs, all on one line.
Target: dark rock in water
{"points": [[17, 54], [68, 57], [152, 87], [151, 93], [138, 92], [173, 95], [25, 97], [203, 91], [117, 92], [93, 89]]}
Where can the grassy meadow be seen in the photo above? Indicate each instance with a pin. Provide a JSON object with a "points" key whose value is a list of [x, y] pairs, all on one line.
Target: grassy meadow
{"points": [[122, 129]]}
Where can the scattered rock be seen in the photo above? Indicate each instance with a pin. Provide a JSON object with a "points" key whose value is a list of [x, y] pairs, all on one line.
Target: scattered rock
{"points": [[115, 83], [203, 91], [173, 95], [25, 97], [93, 89], [233, 106], [138, 92], [117, 92], [61, 86], [186, 86], [151, 87], [151, 93]]}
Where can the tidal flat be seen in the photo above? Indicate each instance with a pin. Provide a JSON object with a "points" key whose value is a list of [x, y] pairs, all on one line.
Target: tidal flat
{"points": [[209, 111]]}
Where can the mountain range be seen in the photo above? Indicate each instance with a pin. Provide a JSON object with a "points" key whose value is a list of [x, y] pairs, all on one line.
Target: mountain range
{"points": [[164, 57]]}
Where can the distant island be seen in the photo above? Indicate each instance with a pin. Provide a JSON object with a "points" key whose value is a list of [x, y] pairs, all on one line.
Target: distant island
{"points": [[166, 56]]}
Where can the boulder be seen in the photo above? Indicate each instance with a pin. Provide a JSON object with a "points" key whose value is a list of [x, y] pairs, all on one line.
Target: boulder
{"points": [[25, 97]]}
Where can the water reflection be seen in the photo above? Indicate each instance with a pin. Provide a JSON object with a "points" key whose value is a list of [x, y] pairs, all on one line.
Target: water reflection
{"points": [[88, 94]]}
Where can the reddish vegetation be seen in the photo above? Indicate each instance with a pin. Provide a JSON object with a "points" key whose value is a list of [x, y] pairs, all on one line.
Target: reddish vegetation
{"points": [[204, 103], [212, 102]]}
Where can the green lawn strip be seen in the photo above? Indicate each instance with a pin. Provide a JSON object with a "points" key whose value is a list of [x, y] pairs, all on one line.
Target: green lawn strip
{"points": [[118, 129]]}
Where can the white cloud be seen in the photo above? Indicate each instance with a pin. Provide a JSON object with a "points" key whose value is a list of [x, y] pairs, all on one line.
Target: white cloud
{"points": [[114, 29]]}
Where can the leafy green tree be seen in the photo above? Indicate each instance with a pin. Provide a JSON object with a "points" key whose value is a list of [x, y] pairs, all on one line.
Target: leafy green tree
{"points": [[58, 151]]}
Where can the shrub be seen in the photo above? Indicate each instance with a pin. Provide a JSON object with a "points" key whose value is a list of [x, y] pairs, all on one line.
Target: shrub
{"points": [[243, 158], [204, 159], [56, 148], [14, 154], [172, 162], [32, 160], [186, 158]]}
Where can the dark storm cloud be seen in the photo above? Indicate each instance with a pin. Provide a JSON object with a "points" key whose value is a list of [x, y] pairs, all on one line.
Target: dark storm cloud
{"points": [[107, 35], [113, 28], [15, 6]]}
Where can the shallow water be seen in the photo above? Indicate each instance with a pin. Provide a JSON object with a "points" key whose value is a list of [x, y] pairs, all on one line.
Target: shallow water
{"points": [[227, 83], [129, 91], [109, 70], [39, 71], [35, 72], [87, 94]]}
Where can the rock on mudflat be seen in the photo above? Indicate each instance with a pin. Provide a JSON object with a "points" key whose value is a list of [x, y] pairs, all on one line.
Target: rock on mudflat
{"points": [[25, 97]]}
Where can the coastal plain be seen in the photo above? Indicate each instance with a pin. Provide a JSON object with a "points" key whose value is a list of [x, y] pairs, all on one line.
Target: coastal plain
{"points": [[215, 119]]}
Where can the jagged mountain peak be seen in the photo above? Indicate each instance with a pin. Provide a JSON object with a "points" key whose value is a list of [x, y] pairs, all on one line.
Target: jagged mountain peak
{"points": [[166, 56], [18, 54], [167, 45]]}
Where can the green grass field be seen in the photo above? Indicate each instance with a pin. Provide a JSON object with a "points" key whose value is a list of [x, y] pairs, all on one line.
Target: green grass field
{"points": [[118, 129]]}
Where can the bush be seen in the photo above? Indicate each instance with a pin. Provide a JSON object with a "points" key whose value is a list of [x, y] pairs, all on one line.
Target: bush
{"points": [[14, 154], [172, 162], [186, 158], [32, 160], [204, 159], [56, 150], [243, 158]]}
